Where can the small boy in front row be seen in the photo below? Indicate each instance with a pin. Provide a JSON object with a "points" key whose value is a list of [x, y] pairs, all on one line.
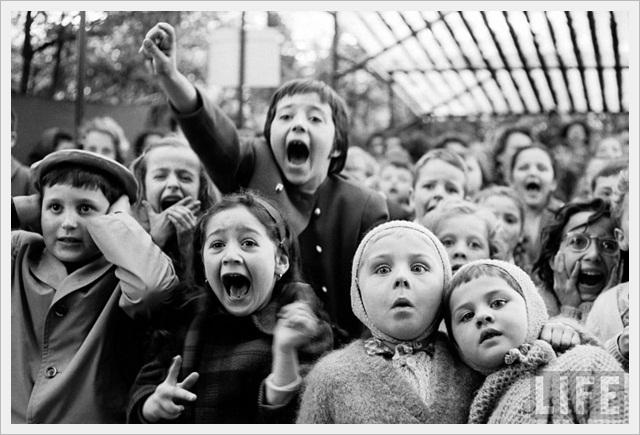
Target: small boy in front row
{"points": [[79, 290], [494, 316]]}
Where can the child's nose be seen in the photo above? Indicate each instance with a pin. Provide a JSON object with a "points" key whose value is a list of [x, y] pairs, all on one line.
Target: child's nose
{"points": [[231, 255], [69, 220], [483, 318], [460, 251], [401, 280]]}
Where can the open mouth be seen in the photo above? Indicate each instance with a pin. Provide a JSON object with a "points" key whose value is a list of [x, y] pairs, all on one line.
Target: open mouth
{"points": [[456, 267], [533, 186], [488, 334], [236, 285], [167, 202], [297, 152], [591, 278]]}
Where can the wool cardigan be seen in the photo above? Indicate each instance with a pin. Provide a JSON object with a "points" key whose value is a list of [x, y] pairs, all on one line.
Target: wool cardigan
{"points": [[329, 223], [553, 392], [350, 386], [75, 349]]}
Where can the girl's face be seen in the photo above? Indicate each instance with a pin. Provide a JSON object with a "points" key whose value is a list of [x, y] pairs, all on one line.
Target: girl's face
{"points": [[437, 180], [172, 174], [241, 261], [100, 143], [508, 214], [533, 177], [622, 234], [488, 318], [594, 262], [466, 238], [401, 280], [514, 142]]}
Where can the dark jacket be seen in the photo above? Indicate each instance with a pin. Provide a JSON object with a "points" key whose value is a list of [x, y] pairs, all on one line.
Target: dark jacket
{"points": [[329, 223]]}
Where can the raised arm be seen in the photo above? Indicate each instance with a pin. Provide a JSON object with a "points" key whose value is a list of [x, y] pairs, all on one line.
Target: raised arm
{"points": [[146, 274], [211, 134], [159, 47]]}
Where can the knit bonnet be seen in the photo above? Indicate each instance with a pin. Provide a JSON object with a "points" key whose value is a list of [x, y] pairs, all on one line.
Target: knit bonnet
{"points": [[536, 310], [384, 229]]}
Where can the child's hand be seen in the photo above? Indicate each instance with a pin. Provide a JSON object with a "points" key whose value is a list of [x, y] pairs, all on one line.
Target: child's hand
{"points": [[623, 342], [29, 210], [564, 285], [163, 404], [162, 226], [615, 275], [159, 46], [560, 336], [297, 325], [121, 205]]}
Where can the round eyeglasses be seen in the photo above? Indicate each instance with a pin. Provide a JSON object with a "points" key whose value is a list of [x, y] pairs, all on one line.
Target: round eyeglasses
{"points": [[581, 242]]}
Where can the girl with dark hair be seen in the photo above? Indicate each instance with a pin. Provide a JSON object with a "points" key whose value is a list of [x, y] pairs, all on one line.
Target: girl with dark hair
{"points": [[234, 351], [579, 258]]}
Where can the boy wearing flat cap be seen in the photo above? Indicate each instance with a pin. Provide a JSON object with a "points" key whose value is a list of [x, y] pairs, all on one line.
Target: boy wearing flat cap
{"points": [[80, 291]]}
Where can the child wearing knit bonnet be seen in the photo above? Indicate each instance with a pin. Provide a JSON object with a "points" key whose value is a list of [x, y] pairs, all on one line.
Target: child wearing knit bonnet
{"points": [[405, 371], [494, 316]]}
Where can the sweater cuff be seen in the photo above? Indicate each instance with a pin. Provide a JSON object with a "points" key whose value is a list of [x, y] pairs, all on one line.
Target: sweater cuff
{"points": [[280, 395], [611, 345]]}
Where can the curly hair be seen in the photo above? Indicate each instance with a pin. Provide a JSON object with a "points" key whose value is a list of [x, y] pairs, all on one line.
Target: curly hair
{"points": [[552, 235]]}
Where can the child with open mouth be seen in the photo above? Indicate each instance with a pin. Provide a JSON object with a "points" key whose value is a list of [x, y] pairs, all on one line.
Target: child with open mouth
{"points": [[533, 176], [580, 258], [234, 351], [297, 164], [495, 317], [173, 191]]}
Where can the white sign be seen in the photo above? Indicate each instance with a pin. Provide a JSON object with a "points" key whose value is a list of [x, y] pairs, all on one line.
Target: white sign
{"points": [[261, 61]]}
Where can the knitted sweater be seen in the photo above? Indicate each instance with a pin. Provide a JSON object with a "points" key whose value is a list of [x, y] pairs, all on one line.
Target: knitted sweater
{"points": [[579, 386], [349, 386]]}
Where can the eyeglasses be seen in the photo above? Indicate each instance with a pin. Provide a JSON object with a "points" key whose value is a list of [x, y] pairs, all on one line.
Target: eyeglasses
{"points": [[581, 242]]}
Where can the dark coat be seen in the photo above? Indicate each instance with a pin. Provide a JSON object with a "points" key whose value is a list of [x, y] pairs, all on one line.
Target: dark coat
{"points": [[330, 223]]}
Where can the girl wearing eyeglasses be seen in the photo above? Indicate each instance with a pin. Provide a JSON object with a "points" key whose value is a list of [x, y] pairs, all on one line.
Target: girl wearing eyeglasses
{"points": [[579, 259]]}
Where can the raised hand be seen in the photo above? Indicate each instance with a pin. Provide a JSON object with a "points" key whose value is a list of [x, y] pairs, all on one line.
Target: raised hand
{"points": [[175, 220], [565, 285], [159, 46], [164, 403], [121, 205], [296, 325]]}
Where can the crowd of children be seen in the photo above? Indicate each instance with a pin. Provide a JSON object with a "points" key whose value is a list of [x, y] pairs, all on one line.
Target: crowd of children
{"points": [[292, 278]]}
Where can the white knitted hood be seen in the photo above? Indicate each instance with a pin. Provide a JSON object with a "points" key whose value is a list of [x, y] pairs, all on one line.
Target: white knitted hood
{"points": [[356, 297]]}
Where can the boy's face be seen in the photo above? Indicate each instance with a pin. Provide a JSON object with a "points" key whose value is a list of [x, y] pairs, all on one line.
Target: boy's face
{"points": [[100, 143], [172, 174], [465, 237], [533, 177], [401, 281], [65, 213], [594, 264], [241, 261], [302, 138], [437, 180], [488, 318], [605, 186], [396, 183]]}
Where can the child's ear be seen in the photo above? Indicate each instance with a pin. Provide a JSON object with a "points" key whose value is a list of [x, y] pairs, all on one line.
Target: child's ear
{"points": [[282, 262], [624, 245]]}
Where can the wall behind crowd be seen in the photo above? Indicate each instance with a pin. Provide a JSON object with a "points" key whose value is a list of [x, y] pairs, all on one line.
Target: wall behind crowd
{"points": [[38, 114]]}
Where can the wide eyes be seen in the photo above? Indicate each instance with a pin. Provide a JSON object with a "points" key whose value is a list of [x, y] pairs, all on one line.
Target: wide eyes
{"points": [[416, 268]]}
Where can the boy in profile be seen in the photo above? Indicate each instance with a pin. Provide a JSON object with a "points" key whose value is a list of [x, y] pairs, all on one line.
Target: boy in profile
{"points": [[79, 291]]}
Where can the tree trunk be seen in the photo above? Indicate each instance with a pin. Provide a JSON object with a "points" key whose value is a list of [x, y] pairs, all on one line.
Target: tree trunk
{"points": [[55, 79], [27, 54]]}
